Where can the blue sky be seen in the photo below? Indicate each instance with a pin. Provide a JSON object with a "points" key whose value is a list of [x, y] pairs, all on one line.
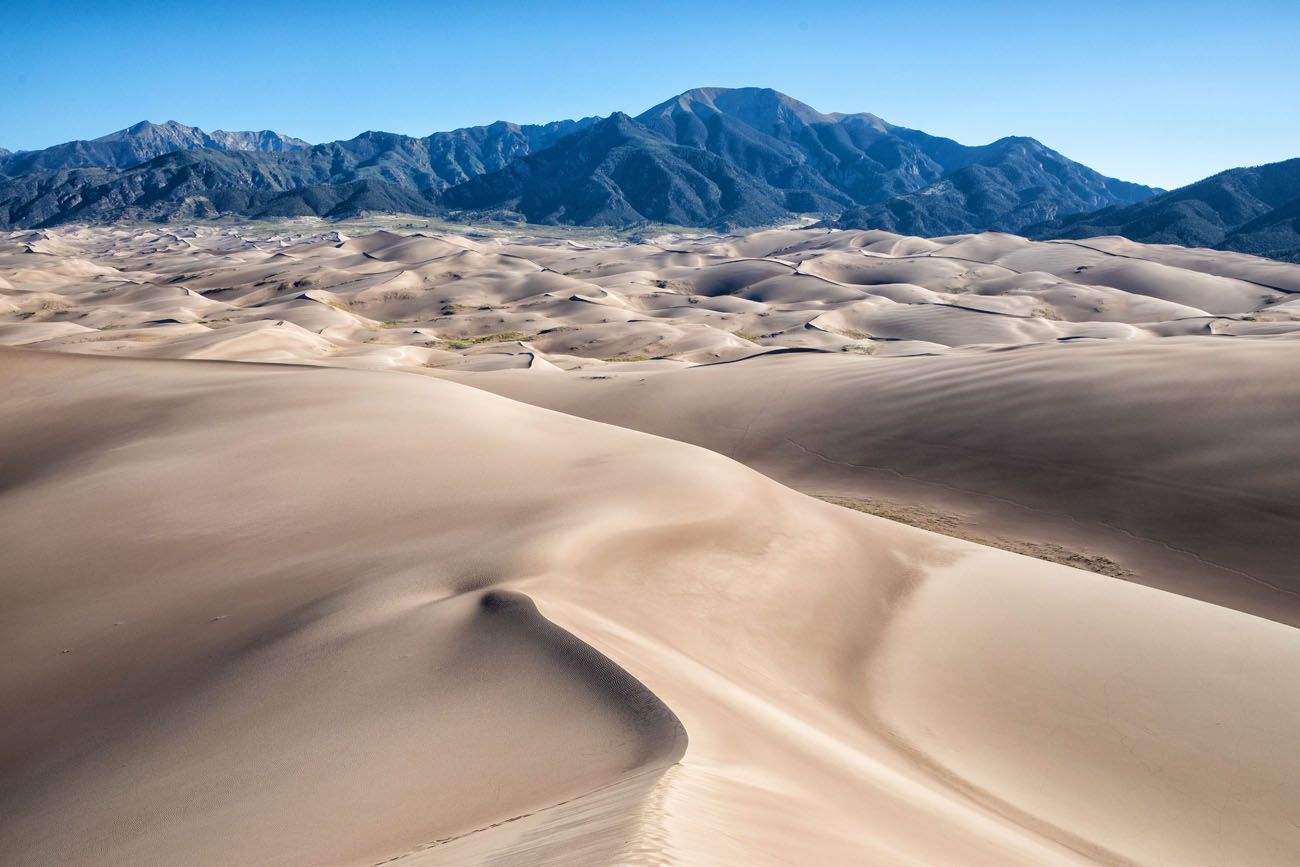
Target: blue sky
{"points": [[1156, 92]]}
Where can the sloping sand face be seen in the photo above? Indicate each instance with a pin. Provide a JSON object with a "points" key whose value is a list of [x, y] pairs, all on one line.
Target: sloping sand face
{"points": [[249, 607], [280, 614], [238, 653], [1175, 457]]}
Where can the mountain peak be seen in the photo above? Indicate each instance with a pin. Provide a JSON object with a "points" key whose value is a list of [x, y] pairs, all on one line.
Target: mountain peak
{"points": [[734, 101], [172, 135], [763, 108]]}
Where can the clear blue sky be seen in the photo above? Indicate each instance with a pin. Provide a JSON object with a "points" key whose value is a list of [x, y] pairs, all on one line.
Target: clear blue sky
{"points": [[1158, 92]]}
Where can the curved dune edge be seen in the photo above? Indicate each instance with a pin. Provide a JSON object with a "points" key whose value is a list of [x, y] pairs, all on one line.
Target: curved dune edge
{"points": [[1173, 457], [246, 600], [620, 823], [593, 826], [964, 683]]}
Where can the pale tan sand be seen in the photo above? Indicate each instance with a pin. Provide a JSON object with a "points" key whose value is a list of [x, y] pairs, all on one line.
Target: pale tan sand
{"points": [[1175, 458], [247, 604], [279, 614], [518, 301]]}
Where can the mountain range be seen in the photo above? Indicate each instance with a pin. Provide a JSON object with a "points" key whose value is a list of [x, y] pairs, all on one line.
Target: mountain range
{"points": [[710, 157]]}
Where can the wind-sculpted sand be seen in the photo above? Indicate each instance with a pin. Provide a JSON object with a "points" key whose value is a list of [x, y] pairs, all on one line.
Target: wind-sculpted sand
{"points": [[288, 614], [1172, 462], [516, 301]]}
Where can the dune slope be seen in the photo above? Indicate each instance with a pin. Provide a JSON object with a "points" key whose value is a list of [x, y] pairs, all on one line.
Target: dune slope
{"points": [[266, 614], [515, 301], [1174, 457]]}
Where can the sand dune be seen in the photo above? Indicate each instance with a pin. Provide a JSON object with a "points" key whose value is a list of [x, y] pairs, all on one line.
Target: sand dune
{"points": [[270, 613], [1173, 458], [677, 300], [308, 638]]}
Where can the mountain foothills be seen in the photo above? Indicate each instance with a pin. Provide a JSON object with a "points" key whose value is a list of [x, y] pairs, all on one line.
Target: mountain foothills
{"points": [[1249, 210], [710, 157]]}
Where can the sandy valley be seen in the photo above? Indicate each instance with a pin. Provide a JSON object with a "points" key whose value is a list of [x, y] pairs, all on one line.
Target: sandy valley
{"points": [[798, 547]]}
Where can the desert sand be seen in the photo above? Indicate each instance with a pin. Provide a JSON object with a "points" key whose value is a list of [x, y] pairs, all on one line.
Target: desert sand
{"points": [[498, 548]]}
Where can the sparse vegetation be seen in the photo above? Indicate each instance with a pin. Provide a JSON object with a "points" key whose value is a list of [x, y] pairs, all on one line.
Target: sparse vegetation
{"points": [[956, 526], [467, 342]]}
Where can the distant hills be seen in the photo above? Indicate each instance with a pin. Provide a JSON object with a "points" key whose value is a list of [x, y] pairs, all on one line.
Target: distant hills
{"points": [[710, 157], [141, 143], [1018, 182], [1250, 210]]}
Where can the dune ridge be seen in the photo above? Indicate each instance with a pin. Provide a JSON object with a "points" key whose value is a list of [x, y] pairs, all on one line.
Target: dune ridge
{"points": [[1174, 458]]}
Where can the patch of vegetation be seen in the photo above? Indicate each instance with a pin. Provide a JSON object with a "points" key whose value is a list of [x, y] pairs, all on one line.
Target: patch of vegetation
{"points": [[467, 342], [957, 527], [623, 358]]}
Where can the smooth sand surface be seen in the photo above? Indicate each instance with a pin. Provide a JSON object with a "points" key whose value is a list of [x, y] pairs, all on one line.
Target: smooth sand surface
{"points": [[284, 613], [1177, 458]]}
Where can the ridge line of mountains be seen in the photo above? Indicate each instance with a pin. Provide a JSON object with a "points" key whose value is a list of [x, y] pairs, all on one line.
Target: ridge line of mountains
{"points": [[722, 158]]}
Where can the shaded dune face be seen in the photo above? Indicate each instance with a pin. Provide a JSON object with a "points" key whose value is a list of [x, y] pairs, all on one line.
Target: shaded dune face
{"points": [[441, 721], [657, 737], [203, 692]]}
